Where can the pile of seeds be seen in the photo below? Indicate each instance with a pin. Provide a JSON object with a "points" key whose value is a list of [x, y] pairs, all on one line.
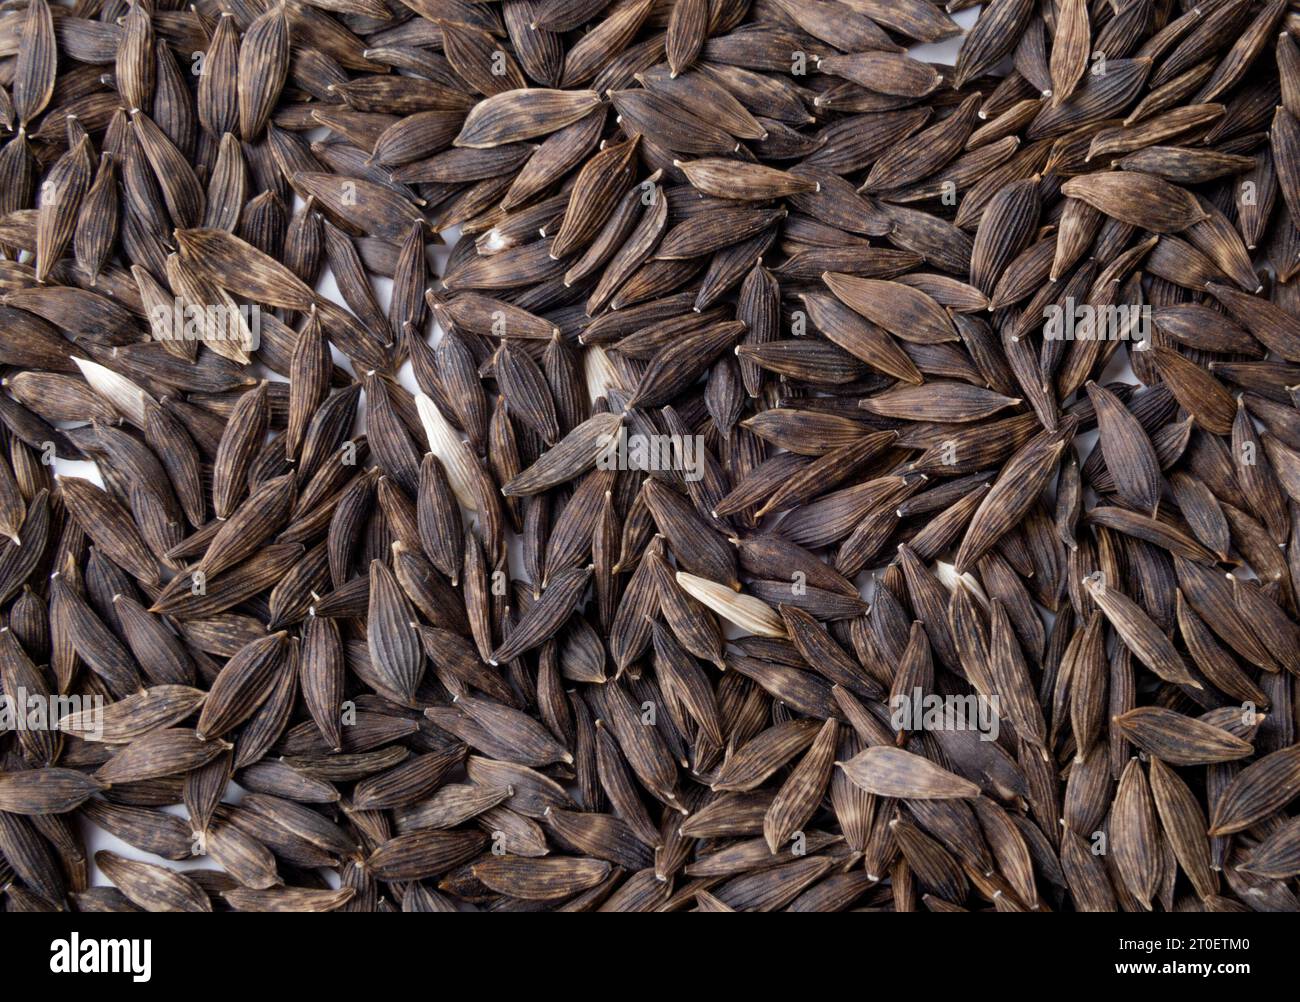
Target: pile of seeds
{"points": [[776, 524]]}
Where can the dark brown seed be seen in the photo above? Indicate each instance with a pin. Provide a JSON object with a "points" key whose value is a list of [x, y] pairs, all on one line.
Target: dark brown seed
{"points": [[393, 641], [1023, 477], [1256, 792], [892, 772], [1129, 453], [1203, 396], [37, 51], [544, 618], [1180, 740], [157, 754], [263, 67], [546, 879], [517, 115], [242, 686], [61, 195], [45, 791], [905, 312], [153, 888], [994, 35], [288, 899], [919, 155]]}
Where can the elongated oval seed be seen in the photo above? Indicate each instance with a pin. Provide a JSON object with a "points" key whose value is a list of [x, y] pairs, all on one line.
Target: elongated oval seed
{"points": [[750, 614], [892, 772]]}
